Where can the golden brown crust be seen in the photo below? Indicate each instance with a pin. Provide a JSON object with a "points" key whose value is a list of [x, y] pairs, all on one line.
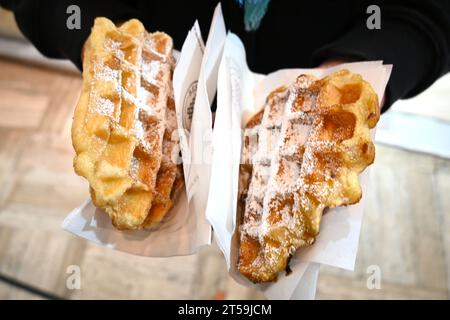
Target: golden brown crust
{"points": [[119, 124], [301, 155]]}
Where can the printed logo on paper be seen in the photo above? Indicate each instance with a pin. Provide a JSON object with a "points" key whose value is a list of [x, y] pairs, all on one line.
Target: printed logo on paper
{"points": [[188, 106]]}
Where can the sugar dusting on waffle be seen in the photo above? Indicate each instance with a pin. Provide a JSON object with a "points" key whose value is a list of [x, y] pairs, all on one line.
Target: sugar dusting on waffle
{"points": [[302, 155], [121, 120]]}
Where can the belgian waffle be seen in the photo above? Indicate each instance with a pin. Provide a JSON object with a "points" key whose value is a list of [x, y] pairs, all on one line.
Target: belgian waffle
{"points": [[170, 178], [301, 154], [119, 124]]}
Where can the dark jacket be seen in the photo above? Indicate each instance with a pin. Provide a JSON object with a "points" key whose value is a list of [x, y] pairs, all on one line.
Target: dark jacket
{"points": [[414, 35]]}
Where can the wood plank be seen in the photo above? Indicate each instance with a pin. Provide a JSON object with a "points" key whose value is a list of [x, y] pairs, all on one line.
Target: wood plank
{"points": [[45, 173], [65, 92], [11, 145], [442, 191], [401, 230], [217, 284], [8, 292], [405, 229], [19, 109], [337, 287], [39, 256]]}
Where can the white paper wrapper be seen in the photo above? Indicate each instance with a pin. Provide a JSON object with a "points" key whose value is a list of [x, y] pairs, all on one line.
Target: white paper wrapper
{"points": [[241, 94], [199, 164], [185, 228]]}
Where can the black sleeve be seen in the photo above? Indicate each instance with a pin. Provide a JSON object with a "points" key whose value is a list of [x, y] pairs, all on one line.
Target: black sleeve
{"points": [[414, 37], [43, 22]]}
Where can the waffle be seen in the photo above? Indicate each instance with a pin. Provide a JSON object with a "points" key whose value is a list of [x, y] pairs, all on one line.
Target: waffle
{"points": [[170, 178], [120, 121], [301, 153]]}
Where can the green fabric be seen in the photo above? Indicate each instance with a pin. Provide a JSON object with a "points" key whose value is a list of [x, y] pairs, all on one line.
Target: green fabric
{"points": [[254, 11]]}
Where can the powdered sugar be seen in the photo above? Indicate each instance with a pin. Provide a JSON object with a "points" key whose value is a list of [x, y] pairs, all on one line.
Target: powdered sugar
{"points": [[295, 165]]}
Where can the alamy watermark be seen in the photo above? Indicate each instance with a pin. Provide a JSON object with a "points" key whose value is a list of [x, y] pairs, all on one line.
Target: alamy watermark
{"points": [[374, 278], [73, 21], [374, 20], [73, 281]]}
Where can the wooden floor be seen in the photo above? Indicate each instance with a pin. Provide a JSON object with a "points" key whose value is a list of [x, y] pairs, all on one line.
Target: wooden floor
{"points": [[405, 231]]}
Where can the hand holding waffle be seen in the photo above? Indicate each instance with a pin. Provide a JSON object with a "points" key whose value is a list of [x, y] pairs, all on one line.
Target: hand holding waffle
{"points": [[301, 154]]}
